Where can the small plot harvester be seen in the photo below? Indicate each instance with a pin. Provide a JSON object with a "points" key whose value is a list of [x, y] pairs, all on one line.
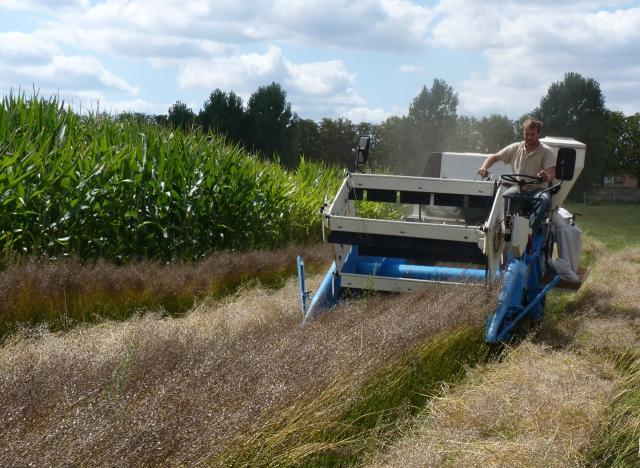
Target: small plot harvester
{"points": [[452, 227]]}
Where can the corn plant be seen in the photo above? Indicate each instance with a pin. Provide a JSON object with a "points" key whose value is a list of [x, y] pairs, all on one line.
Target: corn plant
{"points": [[119, 188]]}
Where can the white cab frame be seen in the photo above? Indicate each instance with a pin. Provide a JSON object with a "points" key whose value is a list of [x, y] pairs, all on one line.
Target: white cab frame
{"points": [[341, 216]]}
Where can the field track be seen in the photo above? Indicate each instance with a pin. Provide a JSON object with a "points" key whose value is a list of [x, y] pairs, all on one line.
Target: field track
{"points": [[567, 397], [155, 390]]}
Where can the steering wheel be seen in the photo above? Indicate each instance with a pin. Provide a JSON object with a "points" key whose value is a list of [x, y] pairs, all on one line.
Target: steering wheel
{"points": [[521, 179]]}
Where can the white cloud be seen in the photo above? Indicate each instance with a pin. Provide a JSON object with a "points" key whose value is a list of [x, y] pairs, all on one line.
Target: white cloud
{"points": [[95, 101], [365, 114], [621, 90], [130, 105], [315, 85], [65, 72], [395, 25], [134, 44], [410, 68], [240, 72], [211, 43], [39, 6], [206, 41], [18, 47], [529, 46], [319, 78], [29, 60]]}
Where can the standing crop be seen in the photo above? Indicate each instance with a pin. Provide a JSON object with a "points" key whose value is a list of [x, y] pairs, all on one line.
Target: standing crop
{"points": [[123, 188]]}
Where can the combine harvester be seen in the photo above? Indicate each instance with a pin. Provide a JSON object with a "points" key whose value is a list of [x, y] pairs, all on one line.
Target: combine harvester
{"points": [[454, 229]]}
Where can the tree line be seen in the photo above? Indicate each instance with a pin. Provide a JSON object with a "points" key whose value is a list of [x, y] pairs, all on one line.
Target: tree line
{"points": [[573, 107]]}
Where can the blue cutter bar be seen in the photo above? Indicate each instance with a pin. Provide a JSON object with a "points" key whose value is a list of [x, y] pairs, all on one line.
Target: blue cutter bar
{"points": [[378, 273], [398, 268]]}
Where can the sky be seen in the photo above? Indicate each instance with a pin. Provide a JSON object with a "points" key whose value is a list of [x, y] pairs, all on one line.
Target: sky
{"points": [[364, 60]]}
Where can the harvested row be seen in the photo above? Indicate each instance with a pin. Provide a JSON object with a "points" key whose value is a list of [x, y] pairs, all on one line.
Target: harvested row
{"points": [[575, 405], [155, 390], [536, 408], [360, 412]]}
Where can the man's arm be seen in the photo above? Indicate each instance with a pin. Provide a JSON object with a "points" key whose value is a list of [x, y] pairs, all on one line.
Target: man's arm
{"points": [[490, 161], [547, 174], [549, 166]]}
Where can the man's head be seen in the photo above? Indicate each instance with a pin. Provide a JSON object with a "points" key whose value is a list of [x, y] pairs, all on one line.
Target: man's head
{"points": [[531, 129]]}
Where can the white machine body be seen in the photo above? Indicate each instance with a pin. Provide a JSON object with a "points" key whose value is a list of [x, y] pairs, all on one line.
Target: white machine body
{"points": [[556, 144], [465, 166], [450, 207]]}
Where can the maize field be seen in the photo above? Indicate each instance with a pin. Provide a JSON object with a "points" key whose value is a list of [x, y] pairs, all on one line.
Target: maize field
{"points": [[120, 188]]}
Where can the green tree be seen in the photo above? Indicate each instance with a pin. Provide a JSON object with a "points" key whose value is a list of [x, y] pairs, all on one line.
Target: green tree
{"points": [[433, 116], [617, 142], [630, 160], [138, 118], [574, 107], [366, 128], [623, 144], [306, 135], [337, 138], [161, 120], [181, 116], [270, 124], [224, 114], [467, 136], [395, 145], [371, 130], [496, 132]]}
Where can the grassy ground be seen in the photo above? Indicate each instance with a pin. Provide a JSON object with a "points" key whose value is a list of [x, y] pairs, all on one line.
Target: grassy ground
{"points": [[238, 382], [351, 419], [191, 390], [610, 325], [567, 397], [616, 226], [538, 407]]}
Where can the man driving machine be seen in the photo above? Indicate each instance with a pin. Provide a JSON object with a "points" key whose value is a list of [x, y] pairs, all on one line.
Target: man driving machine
{"points": [[535, 162]]}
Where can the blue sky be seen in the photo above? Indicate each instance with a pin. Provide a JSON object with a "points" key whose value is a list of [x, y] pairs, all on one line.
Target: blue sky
{"points": [[365, 60]]}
